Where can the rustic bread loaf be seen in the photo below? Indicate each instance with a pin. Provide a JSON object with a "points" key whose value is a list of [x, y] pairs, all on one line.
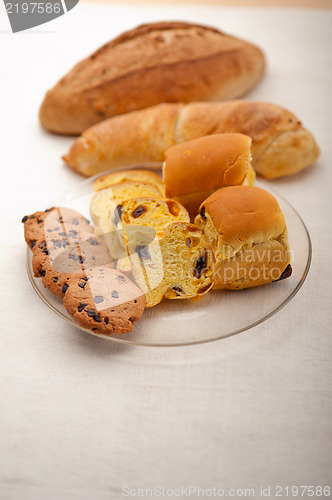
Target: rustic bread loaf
{"points": [[193, 170], [247, 232], [280, 144], [154, 63]]}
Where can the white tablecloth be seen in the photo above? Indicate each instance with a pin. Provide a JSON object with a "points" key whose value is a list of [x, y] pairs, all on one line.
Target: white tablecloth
{"points": [[84, 418]]}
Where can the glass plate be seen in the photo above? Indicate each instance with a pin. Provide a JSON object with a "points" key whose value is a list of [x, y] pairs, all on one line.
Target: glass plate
{"points": [[219, 314]]}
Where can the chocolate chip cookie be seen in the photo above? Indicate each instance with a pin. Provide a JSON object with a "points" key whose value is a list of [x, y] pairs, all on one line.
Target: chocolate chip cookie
{"points": [[104, 300]]}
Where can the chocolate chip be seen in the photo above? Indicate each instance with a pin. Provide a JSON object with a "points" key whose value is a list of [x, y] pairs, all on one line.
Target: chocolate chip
{"points": [[75, 222], [47, 210], [177, 289], [200, 265], [106, 321], [99, 299], [97, 318], [143, 252], [42, 274], [135, 301], [87, 221], [72, 233], [82, 285], [42, 244], [121, 278], [55, 280], [39, 221], [117, 214], [94, 242], [204, 289], [91, 313], [81, 306], [85, 278], [57, 244], [25, 218], [115, 294], [32, 244], [188, 242], [65, 288], [202, 213], [286, 273], [138, 211], [45, 251]]}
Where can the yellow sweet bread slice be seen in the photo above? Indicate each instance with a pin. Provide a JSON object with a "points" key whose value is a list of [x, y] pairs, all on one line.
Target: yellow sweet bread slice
{"points": [[177, 265], [144, 212], [105, 209], [134, 175]]}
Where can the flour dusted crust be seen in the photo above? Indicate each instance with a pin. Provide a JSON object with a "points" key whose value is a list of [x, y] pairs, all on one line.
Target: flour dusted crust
{"points": [[104, 301], [154, 63], [247, 232]]}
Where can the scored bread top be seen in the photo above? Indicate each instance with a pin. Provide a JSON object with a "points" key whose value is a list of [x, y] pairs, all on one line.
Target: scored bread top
{"points": [[155, 63], [243, 215]]}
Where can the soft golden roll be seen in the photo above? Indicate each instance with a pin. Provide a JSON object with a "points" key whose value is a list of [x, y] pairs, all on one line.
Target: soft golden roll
{"points": [[195, 169], [247, 232], [134, 175]]}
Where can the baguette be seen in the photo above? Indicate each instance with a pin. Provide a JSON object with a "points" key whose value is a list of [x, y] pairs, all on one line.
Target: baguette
{"points": [[280, 144], [154, 63]]}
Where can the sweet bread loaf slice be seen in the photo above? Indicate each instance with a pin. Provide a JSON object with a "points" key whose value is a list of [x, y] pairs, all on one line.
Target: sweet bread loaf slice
{"points": [[106, 207], [134, 175], [193, 170], [144, 215], [247, 232], [178, 265]]}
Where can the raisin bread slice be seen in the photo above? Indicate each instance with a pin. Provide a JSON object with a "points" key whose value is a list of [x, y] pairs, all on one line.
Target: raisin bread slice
{"points": [[176, 265]]}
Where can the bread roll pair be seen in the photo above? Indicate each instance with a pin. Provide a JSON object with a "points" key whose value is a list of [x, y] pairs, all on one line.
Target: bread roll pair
{"points": [[154, 63], [280, 144]]}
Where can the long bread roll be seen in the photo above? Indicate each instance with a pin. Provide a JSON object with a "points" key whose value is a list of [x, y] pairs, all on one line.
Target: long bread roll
{"points": [[280, 144], [154, 63]]}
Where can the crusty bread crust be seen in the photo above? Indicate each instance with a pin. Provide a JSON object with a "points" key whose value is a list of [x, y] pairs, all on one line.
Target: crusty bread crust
{"points": [[280, 144], [154, 63]]}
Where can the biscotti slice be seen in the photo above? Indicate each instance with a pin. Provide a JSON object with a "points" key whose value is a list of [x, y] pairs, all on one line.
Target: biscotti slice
{"points": [[63, 245], [154, 63], [247, 232], [178, 265], [104, 301], [192, 171], [134, 175]]}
